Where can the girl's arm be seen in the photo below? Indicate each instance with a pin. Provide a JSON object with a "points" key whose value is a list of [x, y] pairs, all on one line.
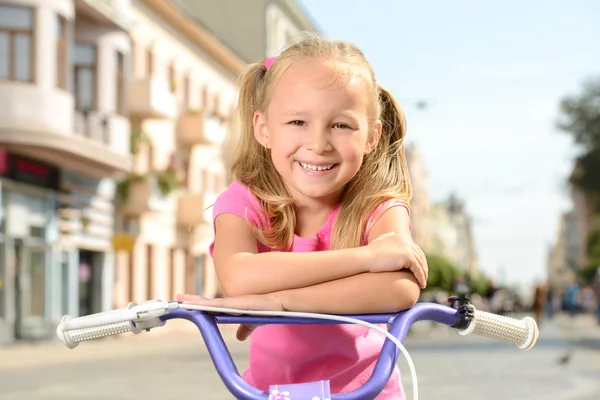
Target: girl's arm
{"points": [[383, 292], [241, 270], [364, 293]]}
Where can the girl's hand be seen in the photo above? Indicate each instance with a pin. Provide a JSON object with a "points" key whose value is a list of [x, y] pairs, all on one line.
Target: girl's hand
{"points": [[392, 252], [262, 302]]}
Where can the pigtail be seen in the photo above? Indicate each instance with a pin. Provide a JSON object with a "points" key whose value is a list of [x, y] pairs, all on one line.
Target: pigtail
{"points": [[382, 177], [241, 137], [392, 143], [251, 165]]}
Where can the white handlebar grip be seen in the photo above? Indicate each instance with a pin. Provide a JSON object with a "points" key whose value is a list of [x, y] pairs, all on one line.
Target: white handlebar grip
{"points": [[524, 332], [72, 338]]}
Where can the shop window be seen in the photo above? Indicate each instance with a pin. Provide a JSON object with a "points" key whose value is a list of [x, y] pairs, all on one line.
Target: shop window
{"points": [[64, 273], [3, 262]]}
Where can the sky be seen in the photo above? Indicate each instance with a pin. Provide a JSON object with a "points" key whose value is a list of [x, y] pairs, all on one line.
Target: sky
{"points": [[493, 74]]}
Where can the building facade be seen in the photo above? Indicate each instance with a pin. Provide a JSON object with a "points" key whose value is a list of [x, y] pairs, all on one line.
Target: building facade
{"points": [[568, 254], [451, 235], [563, 254], [64, 135], [420, 203], [181, 93], [262, 27]]}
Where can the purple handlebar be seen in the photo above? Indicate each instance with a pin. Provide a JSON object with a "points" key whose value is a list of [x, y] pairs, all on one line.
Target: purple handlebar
{"points": [[399, 325]]}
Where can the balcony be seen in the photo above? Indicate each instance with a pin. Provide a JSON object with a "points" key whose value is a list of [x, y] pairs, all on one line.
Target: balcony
{"points": [[151, 98], [195, 209], [195, 127], [112, 13], [107, 129], [140, 194], [41, 123], [190, 128]]}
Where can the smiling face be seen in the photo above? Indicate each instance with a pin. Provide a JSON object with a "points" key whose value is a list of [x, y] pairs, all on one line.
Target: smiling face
{"points": [[317, 130]]}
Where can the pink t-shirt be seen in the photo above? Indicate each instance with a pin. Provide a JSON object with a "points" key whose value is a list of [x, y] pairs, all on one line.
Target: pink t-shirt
{"points": [[284, 354]]}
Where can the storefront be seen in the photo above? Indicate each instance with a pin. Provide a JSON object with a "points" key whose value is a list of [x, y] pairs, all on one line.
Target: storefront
{"points": [[55, 247], [86, 218], [28, 248]]}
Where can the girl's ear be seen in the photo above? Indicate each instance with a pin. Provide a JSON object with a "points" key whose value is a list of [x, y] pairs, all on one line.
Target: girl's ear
{"points": [[259, 122], [373, 138]]}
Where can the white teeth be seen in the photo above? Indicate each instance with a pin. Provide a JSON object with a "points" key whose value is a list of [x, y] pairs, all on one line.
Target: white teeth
{"points": [[309, 167]]}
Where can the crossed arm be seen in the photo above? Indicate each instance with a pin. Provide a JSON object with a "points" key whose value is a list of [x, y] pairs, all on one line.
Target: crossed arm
{"points": [[336, 281]]}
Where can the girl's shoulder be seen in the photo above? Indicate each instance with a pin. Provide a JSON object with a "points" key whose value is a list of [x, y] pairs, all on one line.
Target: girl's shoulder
{"points": [[238, 199], [374, 215]]}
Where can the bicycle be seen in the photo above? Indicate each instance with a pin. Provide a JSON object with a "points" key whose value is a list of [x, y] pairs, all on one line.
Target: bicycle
{"points": [[460, 314]]}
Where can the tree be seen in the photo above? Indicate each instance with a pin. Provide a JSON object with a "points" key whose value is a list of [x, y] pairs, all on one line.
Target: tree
{"points": [[442, 273], [580, 117]]}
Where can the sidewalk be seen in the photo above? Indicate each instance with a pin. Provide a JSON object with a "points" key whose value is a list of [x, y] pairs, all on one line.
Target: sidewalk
{"points": [[583, 329], [168, 339]]}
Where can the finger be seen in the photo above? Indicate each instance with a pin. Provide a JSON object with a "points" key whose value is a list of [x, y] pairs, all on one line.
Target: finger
{"points": [[422, 256], [181, 297], [237, 302], [418, 273], [422, 260], [244, 331]]}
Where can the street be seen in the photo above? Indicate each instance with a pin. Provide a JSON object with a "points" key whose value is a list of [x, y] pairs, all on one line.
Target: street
{"points": [[170, 366]]}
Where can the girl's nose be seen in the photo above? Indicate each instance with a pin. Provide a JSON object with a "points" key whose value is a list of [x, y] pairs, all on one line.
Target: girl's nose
{"points": [[318, 140]]}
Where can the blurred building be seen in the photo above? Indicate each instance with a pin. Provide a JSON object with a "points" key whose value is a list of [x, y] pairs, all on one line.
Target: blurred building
{"points": [[182, 88], [253, 29], [64, 134], [562, 255], [568, 255], [420, 204], [450, 234]]}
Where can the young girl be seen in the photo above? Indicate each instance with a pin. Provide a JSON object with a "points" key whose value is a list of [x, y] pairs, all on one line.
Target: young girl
{"points": [[317, 218]]}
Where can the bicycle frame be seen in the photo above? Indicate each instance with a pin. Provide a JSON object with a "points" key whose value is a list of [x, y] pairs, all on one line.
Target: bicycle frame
{"points": [[399, 325], [460, 314]]}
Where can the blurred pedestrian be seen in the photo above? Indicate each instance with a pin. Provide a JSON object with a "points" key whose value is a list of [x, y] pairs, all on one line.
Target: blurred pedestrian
{"points": [[596, 286], [540, 297]]}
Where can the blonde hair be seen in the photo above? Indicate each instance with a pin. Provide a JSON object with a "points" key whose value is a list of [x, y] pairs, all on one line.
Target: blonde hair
{"points": [[383, 175]]}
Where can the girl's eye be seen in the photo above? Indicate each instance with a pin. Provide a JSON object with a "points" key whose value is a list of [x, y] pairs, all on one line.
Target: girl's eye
{"points": [[341, 126], [298, 123]]}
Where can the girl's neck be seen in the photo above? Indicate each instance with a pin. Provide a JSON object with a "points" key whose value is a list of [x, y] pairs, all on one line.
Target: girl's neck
{"points": [[312, 214]]}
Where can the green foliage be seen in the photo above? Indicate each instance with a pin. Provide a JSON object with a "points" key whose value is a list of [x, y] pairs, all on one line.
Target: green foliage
{"points": [[442, 273], [580, 118], [478, 285], [124, 185], [137, 139], [166, 181]]}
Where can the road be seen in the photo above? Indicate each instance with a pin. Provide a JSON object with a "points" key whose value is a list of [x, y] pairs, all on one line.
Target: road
{"points": [[169, 366]]}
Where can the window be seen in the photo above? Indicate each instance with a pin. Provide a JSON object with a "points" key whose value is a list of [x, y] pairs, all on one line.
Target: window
{"points": [[199, 268], [204, 97], [173, 274], [3, 262], [16, 43], [186, 92], [217, 105], [134, 60], [150, 273], [172, 78], [120, 83], [84, 62], [64, 273], [35, 272], [149, 62], [61, 52]]}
